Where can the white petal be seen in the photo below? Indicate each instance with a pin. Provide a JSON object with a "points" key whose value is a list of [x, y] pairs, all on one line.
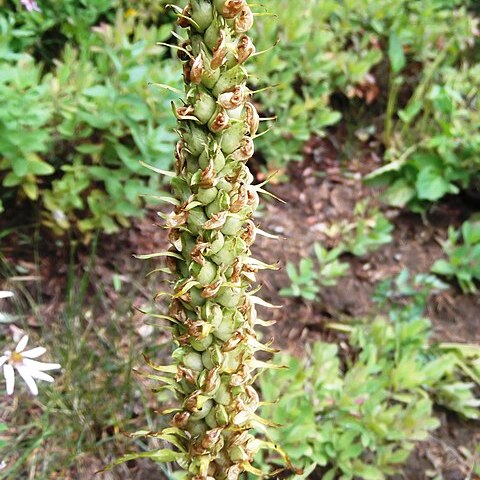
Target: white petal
{"points": [[34, 352], [39, 375], [33, 364], [25, 374], [22, 344], [9, 375], [5, 294], [3, 360]]}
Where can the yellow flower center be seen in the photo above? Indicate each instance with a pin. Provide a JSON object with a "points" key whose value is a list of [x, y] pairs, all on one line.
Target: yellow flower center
{"points": [[16, 357]]}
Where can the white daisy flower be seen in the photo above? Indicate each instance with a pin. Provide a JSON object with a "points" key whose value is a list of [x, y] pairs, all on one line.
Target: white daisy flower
{"points": [[21, 361]]}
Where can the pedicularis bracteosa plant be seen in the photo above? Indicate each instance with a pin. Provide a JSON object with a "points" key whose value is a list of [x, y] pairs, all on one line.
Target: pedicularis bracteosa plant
{"points": [[210, 231]]}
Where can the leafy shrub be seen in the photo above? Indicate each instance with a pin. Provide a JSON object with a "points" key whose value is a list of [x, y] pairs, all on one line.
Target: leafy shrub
{"points": [[438, 145], [368, 51], [463, 262], [73, 139], [359, 414]]}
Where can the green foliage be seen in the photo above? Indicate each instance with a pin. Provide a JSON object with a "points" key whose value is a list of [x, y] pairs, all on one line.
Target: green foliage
{"points": [[463, 251], [357, 48], [368, 233], [3, 428], [437, 149], [361, 415], [358, 414], [406, 297], [306, 280], [369, 230], [73, 139]]}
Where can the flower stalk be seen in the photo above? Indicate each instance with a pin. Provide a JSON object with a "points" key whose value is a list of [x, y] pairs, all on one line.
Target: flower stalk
{"points": [[211, 231]]}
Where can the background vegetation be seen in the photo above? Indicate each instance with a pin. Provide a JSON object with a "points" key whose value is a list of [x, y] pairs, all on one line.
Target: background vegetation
{"points": [[396, 81]]}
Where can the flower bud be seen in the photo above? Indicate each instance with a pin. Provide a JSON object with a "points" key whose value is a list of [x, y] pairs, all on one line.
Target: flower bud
{"points": [[197, 69], [218, 159], [231, 138], [221, 415], [206, 273], [245, 49], [193, 360], [210, 419], [196, 300], [244, 21], [220, 51], [206, 195], [228, 80], [200, 345], [223, 395], [202, 14], [195, 139], [229, 8], [180, 419], [237, 454], [184, 19], [231, 249], [252, 118], [211, 36], [204, 106], [220, 204], [233, 98], [225, 330], [201, 413], [216, 244], [245, 151], [196, 219], [233, 225], [219, 122]]}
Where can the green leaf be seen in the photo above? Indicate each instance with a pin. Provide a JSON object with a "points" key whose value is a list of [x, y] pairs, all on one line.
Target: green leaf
{"points": [[431, 185], [396, 53], [160, 456]]}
